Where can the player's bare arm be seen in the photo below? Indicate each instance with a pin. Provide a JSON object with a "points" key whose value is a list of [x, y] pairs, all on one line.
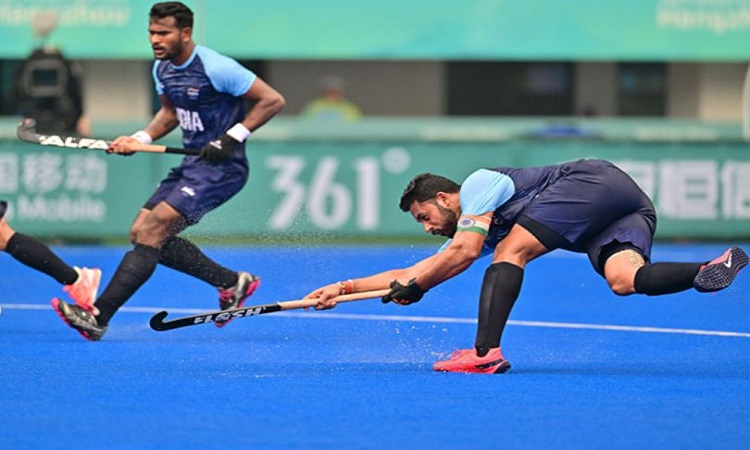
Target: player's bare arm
{"points": [[268, 103], [326, 295], [164, 121], [463, 250]]}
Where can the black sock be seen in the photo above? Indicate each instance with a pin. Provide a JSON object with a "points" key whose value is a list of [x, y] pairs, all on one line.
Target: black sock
{"points": [[135, 268], [500, 289], [34, 253], [184, 256], [665, 278]]}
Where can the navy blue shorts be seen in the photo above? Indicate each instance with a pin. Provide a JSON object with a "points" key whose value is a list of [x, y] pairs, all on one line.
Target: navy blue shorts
{"points": [[197, 187], [592, 206]]}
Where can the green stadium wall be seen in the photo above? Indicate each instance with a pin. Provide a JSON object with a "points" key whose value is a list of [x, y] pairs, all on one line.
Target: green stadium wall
{"points": [[312, 181]]}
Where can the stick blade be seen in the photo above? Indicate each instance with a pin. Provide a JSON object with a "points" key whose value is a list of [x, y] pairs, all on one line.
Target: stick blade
{"points": [[157, 321], [26, 131]]}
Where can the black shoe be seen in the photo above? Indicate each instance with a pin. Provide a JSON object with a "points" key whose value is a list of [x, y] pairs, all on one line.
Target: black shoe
{"points": [[79, 319], [720, 272]]}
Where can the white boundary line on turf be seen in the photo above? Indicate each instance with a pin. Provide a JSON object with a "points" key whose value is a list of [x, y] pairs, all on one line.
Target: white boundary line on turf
{"points": [[528, 323], [426, 319]]}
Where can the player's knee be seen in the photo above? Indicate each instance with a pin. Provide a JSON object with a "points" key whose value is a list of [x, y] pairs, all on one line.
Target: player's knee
{"points": [[519, 256], [620, 269], [622, 291], [6, 232], [135, 231], [139, 233], [152, 233], [621, 284]]}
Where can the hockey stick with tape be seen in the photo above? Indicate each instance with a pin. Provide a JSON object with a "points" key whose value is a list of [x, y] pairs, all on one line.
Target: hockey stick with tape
{"points": [[26, 132], [157, 322]]}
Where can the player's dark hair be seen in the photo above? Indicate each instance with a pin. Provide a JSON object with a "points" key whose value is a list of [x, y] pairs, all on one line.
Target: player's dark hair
{"points": [[424, 187], [183, 15]]}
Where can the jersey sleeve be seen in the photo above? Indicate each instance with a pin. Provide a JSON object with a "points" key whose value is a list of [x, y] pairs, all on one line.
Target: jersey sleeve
{"points": [[226, 74], [484, 191], [157, 84]]}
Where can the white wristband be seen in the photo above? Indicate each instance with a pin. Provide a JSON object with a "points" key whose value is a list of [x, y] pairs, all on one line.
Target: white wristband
{"points": [[238, 132], [142, 137]]}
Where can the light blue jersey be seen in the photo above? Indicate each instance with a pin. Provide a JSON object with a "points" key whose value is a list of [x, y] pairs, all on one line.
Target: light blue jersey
{"points": [[206, 92], [484, 191]]}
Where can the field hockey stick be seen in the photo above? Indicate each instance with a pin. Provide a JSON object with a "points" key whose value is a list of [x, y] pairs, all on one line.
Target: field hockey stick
{"points": [[26, 132], [157, 322]]}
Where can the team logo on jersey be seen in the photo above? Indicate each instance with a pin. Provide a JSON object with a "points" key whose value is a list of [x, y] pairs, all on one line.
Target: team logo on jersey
{"points": [[192, 92], [189, 120]]}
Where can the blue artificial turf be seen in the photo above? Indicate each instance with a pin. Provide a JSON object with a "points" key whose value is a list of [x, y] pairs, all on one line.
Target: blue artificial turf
{"points": [[360, 376]]}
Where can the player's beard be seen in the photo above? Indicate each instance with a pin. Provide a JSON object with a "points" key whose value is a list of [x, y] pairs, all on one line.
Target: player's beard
{"points": [[450, 219], [171, 52]]}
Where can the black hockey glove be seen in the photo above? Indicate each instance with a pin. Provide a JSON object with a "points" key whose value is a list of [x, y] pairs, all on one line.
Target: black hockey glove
{"points": [[411, 293], [220, 149]]}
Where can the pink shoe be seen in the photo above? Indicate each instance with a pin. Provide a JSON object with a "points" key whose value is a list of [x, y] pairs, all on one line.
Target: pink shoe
{"points": [[234, 297], [83, 291], [467, 361]]}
